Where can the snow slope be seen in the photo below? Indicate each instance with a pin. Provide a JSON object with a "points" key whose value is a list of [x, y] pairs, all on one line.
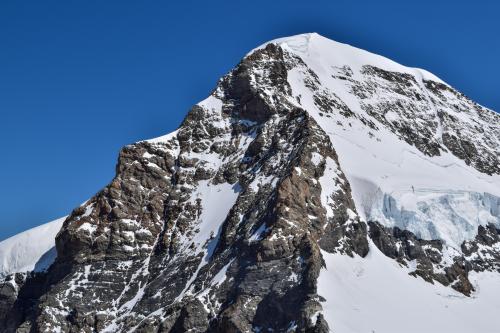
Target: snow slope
{"points": [[318, 50], [388, 300], [30, 250]]}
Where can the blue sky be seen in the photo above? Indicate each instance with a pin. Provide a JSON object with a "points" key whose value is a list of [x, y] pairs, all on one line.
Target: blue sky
{"points": [[80, 79]]}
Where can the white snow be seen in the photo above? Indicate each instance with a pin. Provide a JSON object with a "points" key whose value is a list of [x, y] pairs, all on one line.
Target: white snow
{"points": [[375, 294], [220, 277], [147, 155], [313, 45], [88, 227], [216, 201], [329, 186], [257, 235], [316, 158], [163, 138], [396, 184], [30, 250]]}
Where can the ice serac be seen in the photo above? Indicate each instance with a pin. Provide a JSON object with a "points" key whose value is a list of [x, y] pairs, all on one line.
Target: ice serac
{"points": [[310, 166]]}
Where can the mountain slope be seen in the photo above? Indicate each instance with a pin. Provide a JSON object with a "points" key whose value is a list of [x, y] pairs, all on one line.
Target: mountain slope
{"points": [[413, 107], [30, 250], [310, 160], [378, 291]]}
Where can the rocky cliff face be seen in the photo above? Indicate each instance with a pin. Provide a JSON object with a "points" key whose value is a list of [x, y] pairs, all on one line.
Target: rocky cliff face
{"points": [[220, 225]]}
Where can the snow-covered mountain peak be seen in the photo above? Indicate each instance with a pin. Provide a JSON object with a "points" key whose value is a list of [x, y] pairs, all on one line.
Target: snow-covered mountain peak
{"points": [[406, 140], [319, 51], [308, 153]]}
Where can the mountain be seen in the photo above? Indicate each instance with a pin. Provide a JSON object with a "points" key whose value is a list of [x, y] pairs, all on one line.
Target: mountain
{"points": [[319, 188]]}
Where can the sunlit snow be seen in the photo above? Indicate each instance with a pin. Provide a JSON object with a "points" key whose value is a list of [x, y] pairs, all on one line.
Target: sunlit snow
{"points": [[30, 250]]}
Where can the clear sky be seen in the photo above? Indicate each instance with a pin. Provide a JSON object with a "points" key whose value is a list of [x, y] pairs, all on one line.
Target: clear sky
{"points": [[80, 79]]}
